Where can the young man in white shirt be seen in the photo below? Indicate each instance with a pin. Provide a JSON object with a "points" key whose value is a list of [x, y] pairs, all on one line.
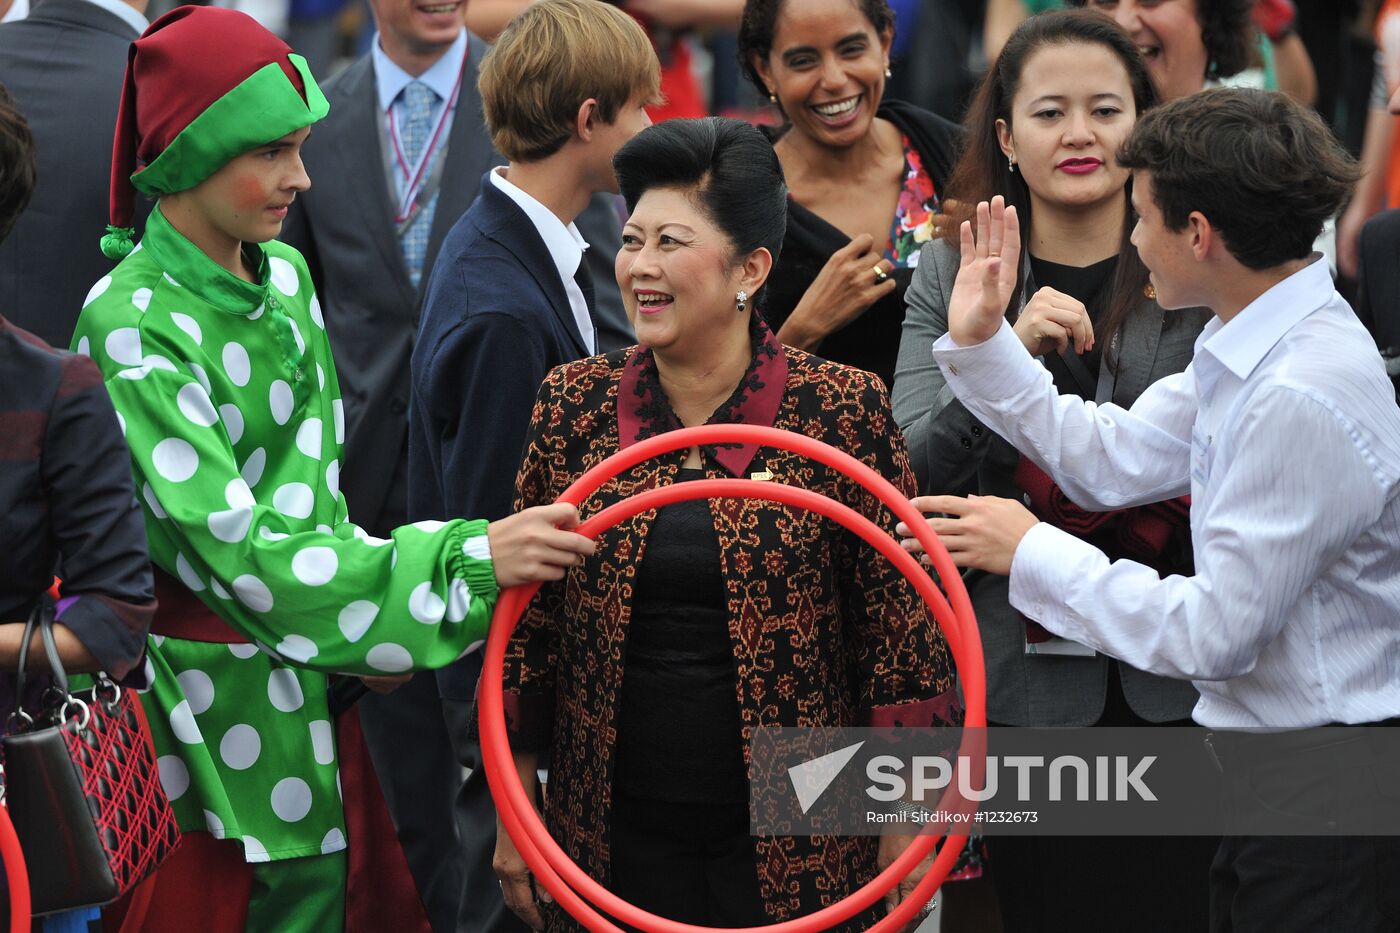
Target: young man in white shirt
{"points": [[1284, 430]]}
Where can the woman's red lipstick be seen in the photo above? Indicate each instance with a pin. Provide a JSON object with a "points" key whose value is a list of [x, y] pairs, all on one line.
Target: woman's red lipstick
{"points": [[1079, 166]]}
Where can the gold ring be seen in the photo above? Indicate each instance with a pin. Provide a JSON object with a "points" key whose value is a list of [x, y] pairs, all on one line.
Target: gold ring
{"points": [[880, 275]]}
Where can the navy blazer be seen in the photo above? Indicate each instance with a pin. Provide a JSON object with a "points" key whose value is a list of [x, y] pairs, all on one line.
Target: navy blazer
{"points": [[495, 320]]}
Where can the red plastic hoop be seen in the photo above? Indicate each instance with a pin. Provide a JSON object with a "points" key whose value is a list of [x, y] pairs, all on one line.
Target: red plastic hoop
{"points": [[16, 874], [552, 866]]}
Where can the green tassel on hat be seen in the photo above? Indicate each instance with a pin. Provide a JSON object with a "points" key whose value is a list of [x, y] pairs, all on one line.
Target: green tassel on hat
{"points": [[117, 243]]}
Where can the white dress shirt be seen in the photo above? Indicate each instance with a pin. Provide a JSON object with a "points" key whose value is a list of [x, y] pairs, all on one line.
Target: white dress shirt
{"points": [[1285, 431], [565, 245]]}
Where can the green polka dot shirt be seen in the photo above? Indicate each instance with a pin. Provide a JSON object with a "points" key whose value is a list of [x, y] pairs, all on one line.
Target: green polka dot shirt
{"points": [[227, 394]]}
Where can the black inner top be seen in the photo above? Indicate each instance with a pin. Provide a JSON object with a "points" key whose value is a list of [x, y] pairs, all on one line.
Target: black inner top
{"points": [[678, 727], [1090, 285]]}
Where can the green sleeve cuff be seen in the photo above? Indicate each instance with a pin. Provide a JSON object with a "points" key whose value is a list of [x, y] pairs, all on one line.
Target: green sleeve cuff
{"points": [[474, 562]]}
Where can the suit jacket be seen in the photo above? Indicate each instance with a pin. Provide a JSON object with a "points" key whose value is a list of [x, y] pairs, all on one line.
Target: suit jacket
{"points": [[496, 320], [825, 632], [954, 453], [1378, 284], [64, 66], [344, 226]]}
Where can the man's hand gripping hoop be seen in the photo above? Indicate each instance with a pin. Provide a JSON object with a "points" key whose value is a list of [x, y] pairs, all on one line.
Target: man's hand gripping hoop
{"points": [[551, 866]]}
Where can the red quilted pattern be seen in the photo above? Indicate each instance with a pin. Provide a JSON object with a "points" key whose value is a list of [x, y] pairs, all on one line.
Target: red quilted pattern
{"points": [[117, 763]]}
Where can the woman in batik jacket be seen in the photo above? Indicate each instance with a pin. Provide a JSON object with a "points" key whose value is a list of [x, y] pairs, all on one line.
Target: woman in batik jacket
{"points": [[647, 669]]}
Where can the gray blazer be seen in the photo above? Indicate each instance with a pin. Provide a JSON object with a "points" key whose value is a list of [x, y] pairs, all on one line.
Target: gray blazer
{"points": [[952, 452], [344, 226], [63, 64]]}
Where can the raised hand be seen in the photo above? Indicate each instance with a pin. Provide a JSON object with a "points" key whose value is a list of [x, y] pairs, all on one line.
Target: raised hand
{"points": [[991, 264]]}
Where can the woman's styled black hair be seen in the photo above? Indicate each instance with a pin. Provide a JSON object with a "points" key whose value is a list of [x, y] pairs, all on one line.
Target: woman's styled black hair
{"points": [[727, 167]]}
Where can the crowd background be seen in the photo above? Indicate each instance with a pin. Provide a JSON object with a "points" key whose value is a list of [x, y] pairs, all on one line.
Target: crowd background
{"points": [[1340, 57], [1351, 45]]}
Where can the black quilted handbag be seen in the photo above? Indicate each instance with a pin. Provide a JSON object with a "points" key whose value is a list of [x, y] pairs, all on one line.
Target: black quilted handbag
{"points": [[82, 788]]}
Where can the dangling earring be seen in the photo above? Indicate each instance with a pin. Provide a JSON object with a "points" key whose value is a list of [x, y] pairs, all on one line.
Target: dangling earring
{"points": [[741, 301], [1011, 164], [888, 73]]}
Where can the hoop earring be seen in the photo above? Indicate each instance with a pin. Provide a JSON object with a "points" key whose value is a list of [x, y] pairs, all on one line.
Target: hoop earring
{"points": [[741, 301]]}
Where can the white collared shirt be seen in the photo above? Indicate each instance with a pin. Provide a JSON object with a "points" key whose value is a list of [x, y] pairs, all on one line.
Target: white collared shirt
{"points": [[565, 245], [1285, 431], [117, 8], [17, 11], [390, 80]]}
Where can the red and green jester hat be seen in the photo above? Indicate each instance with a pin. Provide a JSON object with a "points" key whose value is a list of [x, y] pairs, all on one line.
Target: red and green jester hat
{"points": [[203, 85]]}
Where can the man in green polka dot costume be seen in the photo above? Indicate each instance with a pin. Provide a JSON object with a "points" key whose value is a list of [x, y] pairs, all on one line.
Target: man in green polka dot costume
{"points": [[214, 351]]}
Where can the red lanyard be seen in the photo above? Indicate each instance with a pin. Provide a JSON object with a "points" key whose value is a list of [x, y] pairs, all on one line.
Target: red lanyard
{"points": [[418, 174]]}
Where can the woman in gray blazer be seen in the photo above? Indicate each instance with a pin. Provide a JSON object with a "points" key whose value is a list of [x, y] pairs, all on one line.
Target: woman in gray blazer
{"points": [[1043, 132]]}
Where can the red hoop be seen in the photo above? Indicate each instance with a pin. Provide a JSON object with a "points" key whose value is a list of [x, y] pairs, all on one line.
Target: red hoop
{"points": [[16, 874], [552, 866]]}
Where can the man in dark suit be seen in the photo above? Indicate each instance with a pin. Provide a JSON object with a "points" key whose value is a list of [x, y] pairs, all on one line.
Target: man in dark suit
{"points": [[346, 227], [511, 295], [382, 154], [63, 64]]}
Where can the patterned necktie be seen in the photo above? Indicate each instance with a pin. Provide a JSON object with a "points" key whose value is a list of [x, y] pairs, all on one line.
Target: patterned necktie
{"points": [[415, 112]]}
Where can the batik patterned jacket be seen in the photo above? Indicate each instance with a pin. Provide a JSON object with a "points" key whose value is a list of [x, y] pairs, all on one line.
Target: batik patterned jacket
{"points": [[825, 631]]}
